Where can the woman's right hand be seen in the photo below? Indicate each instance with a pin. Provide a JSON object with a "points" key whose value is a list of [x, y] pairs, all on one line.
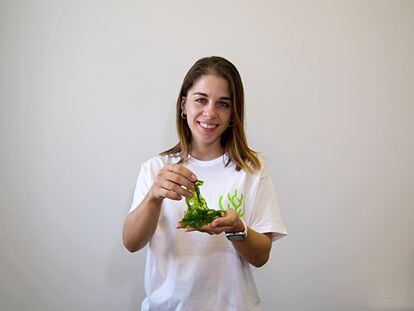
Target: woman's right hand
{"points": [[170, 180]]}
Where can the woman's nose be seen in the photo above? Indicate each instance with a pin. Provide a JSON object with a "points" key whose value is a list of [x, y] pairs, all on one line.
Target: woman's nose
{"points": [[210, 111]]}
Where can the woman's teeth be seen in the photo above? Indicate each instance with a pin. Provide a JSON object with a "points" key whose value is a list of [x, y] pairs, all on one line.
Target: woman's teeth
{"points": [[207, 126]]}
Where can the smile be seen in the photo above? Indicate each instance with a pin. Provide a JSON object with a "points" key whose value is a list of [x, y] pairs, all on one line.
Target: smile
{"points": [[207, 126]]}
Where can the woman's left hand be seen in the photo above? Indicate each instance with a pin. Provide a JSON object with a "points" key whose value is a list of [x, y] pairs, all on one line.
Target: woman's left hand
{"points": [[228, 223]]}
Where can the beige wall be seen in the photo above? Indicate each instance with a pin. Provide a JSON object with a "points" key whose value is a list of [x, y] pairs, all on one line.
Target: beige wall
{"points": [[87, 92]]}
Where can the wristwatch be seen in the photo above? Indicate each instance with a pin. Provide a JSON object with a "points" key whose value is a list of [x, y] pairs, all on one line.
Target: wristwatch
{"points": [[236, 236]]}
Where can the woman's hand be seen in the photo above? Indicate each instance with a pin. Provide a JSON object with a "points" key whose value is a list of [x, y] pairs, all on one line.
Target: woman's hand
{"points": [[228, 223], [170, 182]]}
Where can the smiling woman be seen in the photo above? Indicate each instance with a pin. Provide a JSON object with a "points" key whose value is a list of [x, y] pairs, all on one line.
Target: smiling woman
{"points": [[238, 208], [208, 111], [214, 89]]}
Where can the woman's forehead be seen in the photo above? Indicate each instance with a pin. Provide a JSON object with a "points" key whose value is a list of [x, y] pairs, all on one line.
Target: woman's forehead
{"points": [[210, 85]]}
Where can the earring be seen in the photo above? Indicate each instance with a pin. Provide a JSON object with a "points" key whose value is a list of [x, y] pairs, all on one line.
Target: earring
{"points": [[231, 123], [183, 115]]}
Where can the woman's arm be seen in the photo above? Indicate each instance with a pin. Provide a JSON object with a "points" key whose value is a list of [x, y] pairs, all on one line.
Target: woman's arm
{"points": [[140, 224], [255, 249]]}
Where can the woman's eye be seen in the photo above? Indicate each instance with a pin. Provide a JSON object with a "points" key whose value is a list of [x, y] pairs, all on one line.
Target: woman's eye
{"points": [[200, 100], [223, 104]]}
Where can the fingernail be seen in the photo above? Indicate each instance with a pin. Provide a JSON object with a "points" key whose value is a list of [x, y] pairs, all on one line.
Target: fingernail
{"points": [[194, 177]]}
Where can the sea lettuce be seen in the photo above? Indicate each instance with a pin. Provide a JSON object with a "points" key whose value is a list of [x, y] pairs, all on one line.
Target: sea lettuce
{"points": [[198, 214]]}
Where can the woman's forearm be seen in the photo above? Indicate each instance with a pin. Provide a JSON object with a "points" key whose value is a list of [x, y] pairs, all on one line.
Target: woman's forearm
{"points": [[255, 249], [140, 224]]}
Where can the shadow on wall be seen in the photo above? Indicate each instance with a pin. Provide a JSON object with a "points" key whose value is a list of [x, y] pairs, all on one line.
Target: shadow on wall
{"points": [[125, 272]]}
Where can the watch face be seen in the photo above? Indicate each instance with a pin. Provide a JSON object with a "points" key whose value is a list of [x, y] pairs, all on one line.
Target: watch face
{"points": [[236, 236]]}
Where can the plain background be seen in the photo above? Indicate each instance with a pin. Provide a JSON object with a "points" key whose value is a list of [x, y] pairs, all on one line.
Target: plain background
{"points": [[88, 91]]}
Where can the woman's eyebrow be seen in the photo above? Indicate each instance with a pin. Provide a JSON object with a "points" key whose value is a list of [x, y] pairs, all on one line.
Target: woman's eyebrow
{"points": [[204, 94], [199, 93]]}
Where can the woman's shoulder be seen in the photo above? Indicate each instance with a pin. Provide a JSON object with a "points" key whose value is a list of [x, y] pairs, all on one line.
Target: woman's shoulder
{"points": [[263, 171]]}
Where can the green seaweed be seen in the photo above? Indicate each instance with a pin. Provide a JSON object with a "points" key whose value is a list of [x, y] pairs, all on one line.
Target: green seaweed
{"points": [[198, 214]]}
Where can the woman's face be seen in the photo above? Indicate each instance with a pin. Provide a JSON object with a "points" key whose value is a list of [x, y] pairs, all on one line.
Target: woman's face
{"points": [[208, 108]]}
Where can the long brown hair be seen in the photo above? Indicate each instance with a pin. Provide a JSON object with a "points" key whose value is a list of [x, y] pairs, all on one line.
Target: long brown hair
{"points": [[233, 139]]}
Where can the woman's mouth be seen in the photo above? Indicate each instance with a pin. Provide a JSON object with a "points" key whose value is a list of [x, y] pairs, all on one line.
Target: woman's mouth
{"points": [[206, 127]]}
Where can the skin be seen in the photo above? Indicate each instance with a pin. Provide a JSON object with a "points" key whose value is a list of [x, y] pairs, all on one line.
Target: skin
{"points": [[208, 101]]}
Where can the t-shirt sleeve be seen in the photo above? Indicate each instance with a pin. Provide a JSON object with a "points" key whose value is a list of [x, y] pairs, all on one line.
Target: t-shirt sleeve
{"points": [[266, 216], [142, 187]]}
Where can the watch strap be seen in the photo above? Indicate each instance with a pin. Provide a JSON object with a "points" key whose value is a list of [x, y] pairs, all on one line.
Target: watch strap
{"points": [[232, 236], [245, 227]]}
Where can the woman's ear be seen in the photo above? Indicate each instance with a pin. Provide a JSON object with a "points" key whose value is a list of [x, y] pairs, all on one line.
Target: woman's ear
{"points": [[183, 103]]}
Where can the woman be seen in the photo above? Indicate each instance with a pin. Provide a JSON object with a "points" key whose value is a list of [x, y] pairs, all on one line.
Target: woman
{"points": [[187, 269]]}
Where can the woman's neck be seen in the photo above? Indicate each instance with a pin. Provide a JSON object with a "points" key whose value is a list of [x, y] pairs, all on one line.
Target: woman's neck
{"points": [[206, 152]]}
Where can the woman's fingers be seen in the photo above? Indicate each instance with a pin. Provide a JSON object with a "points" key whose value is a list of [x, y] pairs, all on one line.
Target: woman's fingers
{"points": [[229, 220], [189, 229], [174, 181], [206, 229], [166, 184], [183, 171], [219, 230], [179, 180], [186, 229], [165, 193]]}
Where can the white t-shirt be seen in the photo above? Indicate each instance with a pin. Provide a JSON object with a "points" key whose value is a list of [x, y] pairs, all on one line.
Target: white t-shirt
{"points": [[198, 271]]}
